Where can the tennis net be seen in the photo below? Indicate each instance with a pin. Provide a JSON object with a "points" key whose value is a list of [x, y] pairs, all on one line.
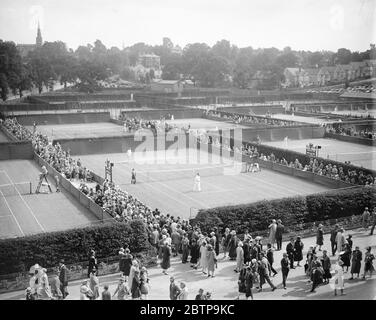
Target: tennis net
{"points": [[15, 189], [187, 173]]}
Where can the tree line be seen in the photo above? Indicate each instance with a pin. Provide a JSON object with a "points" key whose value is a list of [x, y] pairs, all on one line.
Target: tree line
{"points": [[222, 65]]}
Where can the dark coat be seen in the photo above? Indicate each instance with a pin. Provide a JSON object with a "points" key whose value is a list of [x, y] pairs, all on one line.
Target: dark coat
{"points": [[166, 253], [320, 237], [269, 256], [92, 264], [285, 265], [136, 292], [290, 249], [232, 247], [127, 261], [279, 231], [333, 235], [247, 252], [249, 278], [195, 253], [298, 250], [356, 261], [63, 276]]}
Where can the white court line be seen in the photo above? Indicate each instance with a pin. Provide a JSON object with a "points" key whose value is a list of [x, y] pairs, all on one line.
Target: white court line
{"points": [[6, 202], [22, 198], [8, 215], [174, 190]]}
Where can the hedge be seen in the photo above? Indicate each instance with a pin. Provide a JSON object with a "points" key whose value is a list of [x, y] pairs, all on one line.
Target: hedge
{"points": [[292, 211], [46, 249]]}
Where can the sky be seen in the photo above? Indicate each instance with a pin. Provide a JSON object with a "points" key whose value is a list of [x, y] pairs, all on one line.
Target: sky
{"points": [[313, 25]]}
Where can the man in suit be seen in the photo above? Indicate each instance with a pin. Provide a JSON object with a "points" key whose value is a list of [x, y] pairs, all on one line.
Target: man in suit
{"points": [[333, 236], [285, 269], [290, 252], [278, 234], [92, 263], [174, 289], [63, 277]]}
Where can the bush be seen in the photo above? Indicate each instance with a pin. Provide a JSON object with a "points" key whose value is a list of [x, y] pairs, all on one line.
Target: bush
{"points": [[19, 254], [292, 211]]}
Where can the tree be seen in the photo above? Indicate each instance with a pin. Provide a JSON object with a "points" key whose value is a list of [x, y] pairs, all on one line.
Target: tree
{"points": [[343, 56]]}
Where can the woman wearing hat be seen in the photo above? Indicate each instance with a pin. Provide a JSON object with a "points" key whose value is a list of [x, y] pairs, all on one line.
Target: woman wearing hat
{"points": [[195, 253], [203, 258], [368, 263], [239, 257], [226, 241], [135, 287], [319, 237], [233, 244], [85, 292], [211, 259], [338, 278], [166, 256], [298, 250], [44, 292], [356, 261], [94, 284]]}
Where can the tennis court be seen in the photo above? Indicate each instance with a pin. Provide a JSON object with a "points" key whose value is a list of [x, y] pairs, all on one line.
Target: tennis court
{"points": [[22, 213], [3, 137], [165, 180], [198, 123], [81, 130], [311, 120], [342, 151]]}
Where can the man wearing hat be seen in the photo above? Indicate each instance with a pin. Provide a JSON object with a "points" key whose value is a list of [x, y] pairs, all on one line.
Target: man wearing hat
{"points": [[63, 277], [279, 233], [290, 252], [92, 263], [365, 218], [174, 289], [333, 237]]}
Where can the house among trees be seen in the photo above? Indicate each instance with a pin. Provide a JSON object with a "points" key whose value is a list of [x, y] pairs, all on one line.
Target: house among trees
{"points": [[291, 77], [308, 77], [325, 75]]}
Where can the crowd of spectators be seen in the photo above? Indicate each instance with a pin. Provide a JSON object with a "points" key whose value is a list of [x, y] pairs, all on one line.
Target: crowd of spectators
{"points": [[366, 133], [134, 124], [364, 88], [248, 119]]}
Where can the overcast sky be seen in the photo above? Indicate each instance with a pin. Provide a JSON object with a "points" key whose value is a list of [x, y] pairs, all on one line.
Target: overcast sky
{"points": [[300, 24]]}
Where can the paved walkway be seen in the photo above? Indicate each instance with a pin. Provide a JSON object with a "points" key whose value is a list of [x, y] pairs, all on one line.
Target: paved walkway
{"points": [[224, 285]]}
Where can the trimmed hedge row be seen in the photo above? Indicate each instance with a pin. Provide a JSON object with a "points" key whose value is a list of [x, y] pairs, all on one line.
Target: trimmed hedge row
{"points": [[292, 211], [46, 249]]}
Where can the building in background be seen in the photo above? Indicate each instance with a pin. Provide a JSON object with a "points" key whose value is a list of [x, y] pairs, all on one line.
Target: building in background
{"points": [[24, 49], [167, 86]]}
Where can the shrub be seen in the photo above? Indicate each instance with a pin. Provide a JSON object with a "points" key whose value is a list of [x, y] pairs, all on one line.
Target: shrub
{"points": [[292, 211], [19, 254]]}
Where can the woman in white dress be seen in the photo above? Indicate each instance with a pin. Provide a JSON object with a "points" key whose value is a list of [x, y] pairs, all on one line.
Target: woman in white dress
{"points": [[203, 258], [197, 184], [44, 291], [239, 257], [338, 278]]}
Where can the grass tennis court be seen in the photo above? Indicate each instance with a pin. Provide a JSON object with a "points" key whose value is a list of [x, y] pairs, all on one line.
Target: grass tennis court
{"points": [[3, 137], [108, 129], [25, 214], [311, 120], [168, 184], [357, 154]]}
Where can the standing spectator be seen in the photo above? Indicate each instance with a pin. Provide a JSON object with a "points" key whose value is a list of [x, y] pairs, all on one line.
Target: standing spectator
{"points": [[241, 282], [183, 295], [195, 253], [247, 251], [94, 284], [290, 252], [216, 248], [134, 268], [319, 237], [285, 269], [373, 220], [203, 258], [339, 278], [349, 241], [85, 292], [326, 265], [44, 292], [63, 277], [345, 256], [176, 240], [249, 278], [144, 283], [226, 241], [127, 259], [340, 239], [106, 294], [174, 289], [211, 259], [365, 218], [298, 250], [316, 273], [166, 256], [200, 295], [272, 232], [368, 263], [233, 244], [185, 249], [92, 263], [333, 239], [135, 287], [356, 262], [239, 257], [270, 257], [279, 233], [55, 288], [122, 290]]}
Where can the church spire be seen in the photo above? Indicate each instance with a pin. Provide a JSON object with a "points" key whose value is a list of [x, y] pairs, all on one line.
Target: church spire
{"points": [[39, 40]]}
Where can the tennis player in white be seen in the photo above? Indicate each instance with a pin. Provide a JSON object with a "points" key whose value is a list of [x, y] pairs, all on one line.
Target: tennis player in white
{"points": [[197, 184]]}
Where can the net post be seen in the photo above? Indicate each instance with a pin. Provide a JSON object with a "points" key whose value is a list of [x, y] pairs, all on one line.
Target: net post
{"points": [[31, 190]]}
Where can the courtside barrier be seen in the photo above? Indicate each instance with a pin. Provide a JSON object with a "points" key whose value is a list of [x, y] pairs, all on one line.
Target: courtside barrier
{"points": [[352, 139]]}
